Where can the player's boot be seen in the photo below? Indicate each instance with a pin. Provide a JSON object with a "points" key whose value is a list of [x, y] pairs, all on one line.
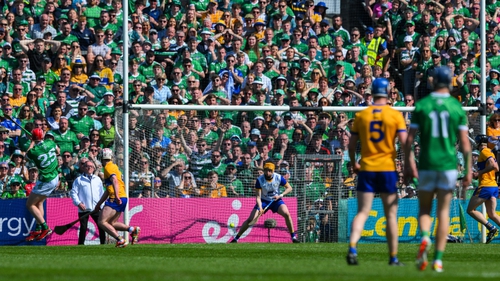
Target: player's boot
{"points": [[491, 235], [44, 233], [396, 263], [135, 235], [437, 266], [234, 241], [121, 243], [33, 235], [295, 240], [423, 250], [352, 258]]}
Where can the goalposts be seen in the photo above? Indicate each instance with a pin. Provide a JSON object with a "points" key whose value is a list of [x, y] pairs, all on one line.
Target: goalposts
{"points": [[322, 190]]}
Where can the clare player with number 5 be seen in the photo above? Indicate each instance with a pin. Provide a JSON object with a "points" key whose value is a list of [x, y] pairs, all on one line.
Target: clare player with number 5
{"points": [[116, 202], [440, 119], [267, 192], [44, 154], [376, 128]]}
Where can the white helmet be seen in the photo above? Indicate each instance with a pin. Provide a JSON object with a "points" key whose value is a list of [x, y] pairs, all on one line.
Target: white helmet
{"points": [[107, 154]]}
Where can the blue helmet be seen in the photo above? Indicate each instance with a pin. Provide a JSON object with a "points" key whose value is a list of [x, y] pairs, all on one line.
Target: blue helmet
{"points": [[442, 77], [481, 139], [380, 87]]}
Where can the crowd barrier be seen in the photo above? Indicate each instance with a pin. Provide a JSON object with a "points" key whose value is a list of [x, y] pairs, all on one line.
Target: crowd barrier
{"points": [[204, 220], [165, 220], [375, 227]]}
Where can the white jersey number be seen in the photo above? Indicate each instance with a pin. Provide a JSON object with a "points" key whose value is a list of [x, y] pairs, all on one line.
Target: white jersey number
{"points": [[439, 120], [47, 159]]}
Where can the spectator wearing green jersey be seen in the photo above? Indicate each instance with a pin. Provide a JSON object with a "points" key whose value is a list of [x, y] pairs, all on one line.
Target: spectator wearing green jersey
{"points": [[64, 138]]}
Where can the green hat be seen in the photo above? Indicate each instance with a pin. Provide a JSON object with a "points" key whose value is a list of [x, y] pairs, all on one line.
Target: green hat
{"points": [[258, 80], [281, 77], [206, 31], [277, 156], [16, 179], [287, 114], [12, 164], [280, 92], [410, 22], [314, 90], [270, 58], [285, 37], [475, 152], [231, 164], [63, 16], [23, 22], [91, 108], [116, 51], [494, 82], [228, 116], [474, 82], [295, 65]]}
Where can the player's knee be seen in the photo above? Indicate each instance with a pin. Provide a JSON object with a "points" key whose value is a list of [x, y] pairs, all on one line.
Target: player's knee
{"points": [[491, 213]]}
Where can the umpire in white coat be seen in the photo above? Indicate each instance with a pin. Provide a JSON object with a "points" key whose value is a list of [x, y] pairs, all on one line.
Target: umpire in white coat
{"points": [[86, 192]]}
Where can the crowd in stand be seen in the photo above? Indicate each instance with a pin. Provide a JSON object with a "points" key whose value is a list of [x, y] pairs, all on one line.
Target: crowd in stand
{"points": [[61, 69]]}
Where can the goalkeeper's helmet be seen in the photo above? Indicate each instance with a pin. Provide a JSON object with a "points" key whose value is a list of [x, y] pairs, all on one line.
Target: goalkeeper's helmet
{"points": [[37, 134]]}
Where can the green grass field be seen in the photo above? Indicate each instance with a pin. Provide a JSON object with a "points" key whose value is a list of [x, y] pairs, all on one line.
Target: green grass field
{"points": [[239, 262]]}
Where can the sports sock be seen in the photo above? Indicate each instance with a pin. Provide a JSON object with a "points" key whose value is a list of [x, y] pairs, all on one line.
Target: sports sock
{"points": [[119, 238], [426, 233], [236, 237], [393, 257], [489, 226], [45, 226], [38, 227], [130, 229], [438, 255], [352, 248]]}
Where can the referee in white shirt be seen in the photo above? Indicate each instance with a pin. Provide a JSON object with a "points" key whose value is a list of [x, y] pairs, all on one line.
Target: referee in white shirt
{"points": [[86, 192]]}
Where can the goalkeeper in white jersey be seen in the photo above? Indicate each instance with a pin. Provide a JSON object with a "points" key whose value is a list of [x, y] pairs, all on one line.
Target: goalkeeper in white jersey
{"points": [[267, 192]]}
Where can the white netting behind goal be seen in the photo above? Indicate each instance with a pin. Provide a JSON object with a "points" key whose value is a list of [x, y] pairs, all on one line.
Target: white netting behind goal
{"points": [[312, 155]]}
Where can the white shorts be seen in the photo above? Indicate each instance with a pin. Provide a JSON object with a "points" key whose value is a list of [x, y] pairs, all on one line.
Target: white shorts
{"points": [[45, 188], [433, 180]]}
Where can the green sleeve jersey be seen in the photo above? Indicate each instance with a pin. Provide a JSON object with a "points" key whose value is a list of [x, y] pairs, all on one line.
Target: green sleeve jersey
{"points": [[45, 159], [66, 141], [439, 118]]}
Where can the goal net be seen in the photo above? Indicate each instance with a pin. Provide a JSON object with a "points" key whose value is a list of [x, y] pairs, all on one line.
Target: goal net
{"points": [[174, 153]]}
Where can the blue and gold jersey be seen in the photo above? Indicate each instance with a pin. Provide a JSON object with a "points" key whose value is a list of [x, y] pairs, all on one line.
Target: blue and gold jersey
{"points": [[377, 127], [486, 179], [109, 170], [270, 188]]}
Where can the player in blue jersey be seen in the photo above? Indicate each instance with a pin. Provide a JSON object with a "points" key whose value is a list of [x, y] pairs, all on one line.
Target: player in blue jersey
{"points": [[376, 128], [267, 191]]}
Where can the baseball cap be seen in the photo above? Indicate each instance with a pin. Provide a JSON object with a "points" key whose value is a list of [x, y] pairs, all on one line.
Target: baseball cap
{"points": [[235, 138], [410, 22], [153, 31], [107, 154], [369, 30], [95, 76], [408, 39], [255, 132], [251, 143]]}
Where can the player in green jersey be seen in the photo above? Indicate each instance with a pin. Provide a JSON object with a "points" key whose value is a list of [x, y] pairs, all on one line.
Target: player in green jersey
{"points": [[43, 153], [440, 118]]}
